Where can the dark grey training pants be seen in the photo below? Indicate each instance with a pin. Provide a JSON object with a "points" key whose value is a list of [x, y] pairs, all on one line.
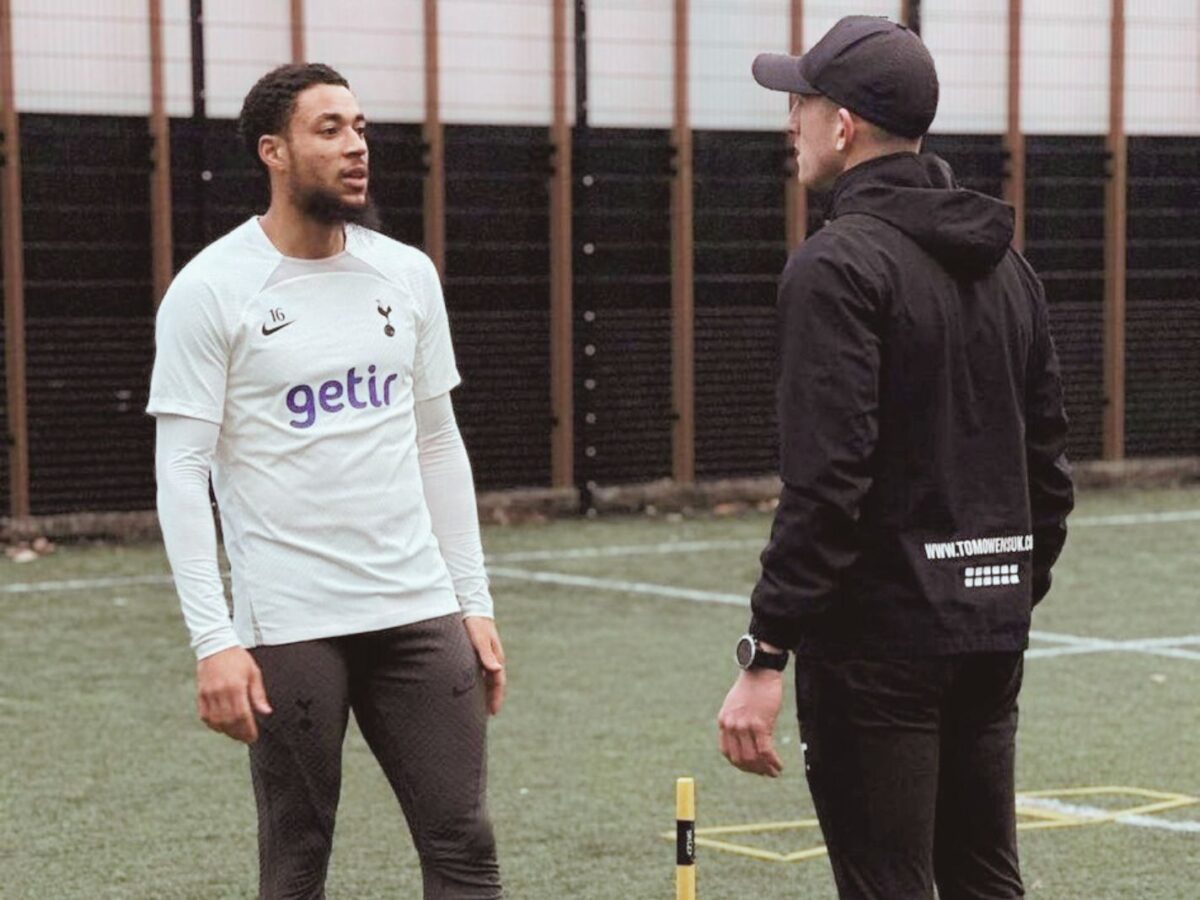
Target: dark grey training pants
{"points": [[419, 701], [910, 764]]}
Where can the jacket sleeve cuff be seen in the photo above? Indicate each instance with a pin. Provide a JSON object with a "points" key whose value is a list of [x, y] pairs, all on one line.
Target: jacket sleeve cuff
{"points": [[783, 633]]}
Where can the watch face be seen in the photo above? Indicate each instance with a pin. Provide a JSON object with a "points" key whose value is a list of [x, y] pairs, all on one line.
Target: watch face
{"points": [[745, 651]]}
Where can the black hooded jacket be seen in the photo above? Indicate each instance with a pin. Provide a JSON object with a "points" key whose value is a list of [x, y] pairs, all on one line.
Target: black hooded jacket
{"points": [[922, 432]]}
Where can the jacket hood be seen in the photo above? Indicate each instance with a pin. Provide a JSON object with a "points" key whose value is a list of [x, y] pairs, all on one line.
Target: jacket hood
{"points": [[967, 232]]}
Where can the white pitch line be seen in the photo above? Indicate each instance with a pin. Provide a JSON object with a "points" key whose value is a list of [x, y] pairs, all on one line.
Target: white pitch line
{"points": [[662, 549], [1111, 647], [1158, 518], [669, 547], [1095, 812], [1167, 642], [87, 584], [1069, 639], [1073, 645], [622, 587], [1052, 652], [1170, 652], [1069, 644], [84, 584]]}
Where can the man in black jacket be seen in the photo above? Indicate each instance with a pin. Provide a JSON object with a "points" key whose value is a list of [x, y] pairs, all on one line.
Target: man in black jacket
{"points": [[925, 488]]}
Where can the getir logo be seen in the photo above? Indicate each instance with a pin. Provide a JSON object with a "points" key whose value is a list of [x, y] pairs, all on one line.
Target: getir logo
{"points": [[334, 395]]}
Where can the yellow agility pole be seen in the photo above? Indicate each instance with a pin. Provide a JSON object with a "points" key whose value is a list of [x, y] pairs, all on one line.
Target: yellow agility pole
{"points": [[685, 839]]}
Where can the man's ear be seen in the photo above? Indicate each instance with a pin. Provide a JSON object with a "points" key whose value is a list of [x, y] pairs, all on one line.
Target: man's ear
{"points": [[846, 131], [273, 151]]}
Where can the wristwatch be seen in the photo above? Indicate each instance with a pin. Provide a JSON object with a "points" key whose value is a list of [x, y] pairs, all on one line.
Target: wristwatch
{"points": [[750, 655]]}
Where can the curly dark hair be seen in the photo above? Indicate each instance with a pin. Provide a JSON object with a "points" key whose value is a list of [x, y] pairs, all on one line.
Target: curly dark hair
{"points": [[270, 104]]}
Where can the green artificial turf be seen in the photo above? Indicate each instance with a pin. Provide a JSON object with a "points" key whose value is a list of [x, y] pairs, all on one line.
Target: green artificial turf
{"points": [[111, 788]]}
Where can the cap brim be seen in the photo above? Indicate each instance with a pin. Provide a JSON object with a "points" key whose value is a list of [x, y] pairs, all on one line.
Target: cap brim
{"points": [[781, 72]]}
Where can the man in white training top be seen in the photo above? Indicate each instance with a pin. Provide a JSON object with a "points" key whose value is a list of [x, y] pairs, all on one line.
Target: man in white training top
{"points": [[305, 361]]}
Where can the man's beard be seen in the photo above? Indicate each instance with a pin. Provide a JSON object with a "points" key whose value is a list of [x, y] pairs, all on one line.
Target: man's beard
{"points": [[325, 206]]}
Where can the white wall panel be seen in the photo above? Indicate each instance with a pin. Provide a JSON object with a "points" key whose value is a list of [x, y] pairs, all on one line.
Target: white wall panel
{"points": [[969, 43], [1065, 64], [496, 58], [631, 56], [821, 15], [242, 42], [81, 56], [726, 35], [1162, 75], [92, 56], [378, 45]]}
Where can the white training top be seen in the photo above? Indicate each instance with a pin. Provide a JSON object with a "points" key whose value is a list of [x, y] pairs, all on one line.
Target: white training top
{"points": [[311, 369]]}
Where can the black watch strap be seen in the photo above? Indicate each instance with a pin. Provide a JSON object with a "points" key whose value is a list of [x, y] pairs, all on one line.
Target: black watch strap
{"points": [[750, 655], [765, 660]]}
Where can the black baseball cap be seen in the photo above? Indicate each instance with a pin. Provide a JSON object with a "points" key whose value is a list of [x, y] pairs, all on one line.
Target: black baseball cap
{"points": [[871, 66]]}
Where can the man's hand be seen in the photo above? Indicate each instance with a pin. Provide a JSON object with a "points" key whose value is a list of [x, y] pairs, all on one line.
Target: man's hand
{"points": [[229, 691], [486, 640], [747, 721]]}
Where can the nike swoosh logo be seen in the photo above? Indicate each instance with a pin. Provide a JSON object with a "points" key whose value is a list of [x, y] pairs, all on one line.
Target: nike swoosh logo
{"points": [[267, 332]]}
